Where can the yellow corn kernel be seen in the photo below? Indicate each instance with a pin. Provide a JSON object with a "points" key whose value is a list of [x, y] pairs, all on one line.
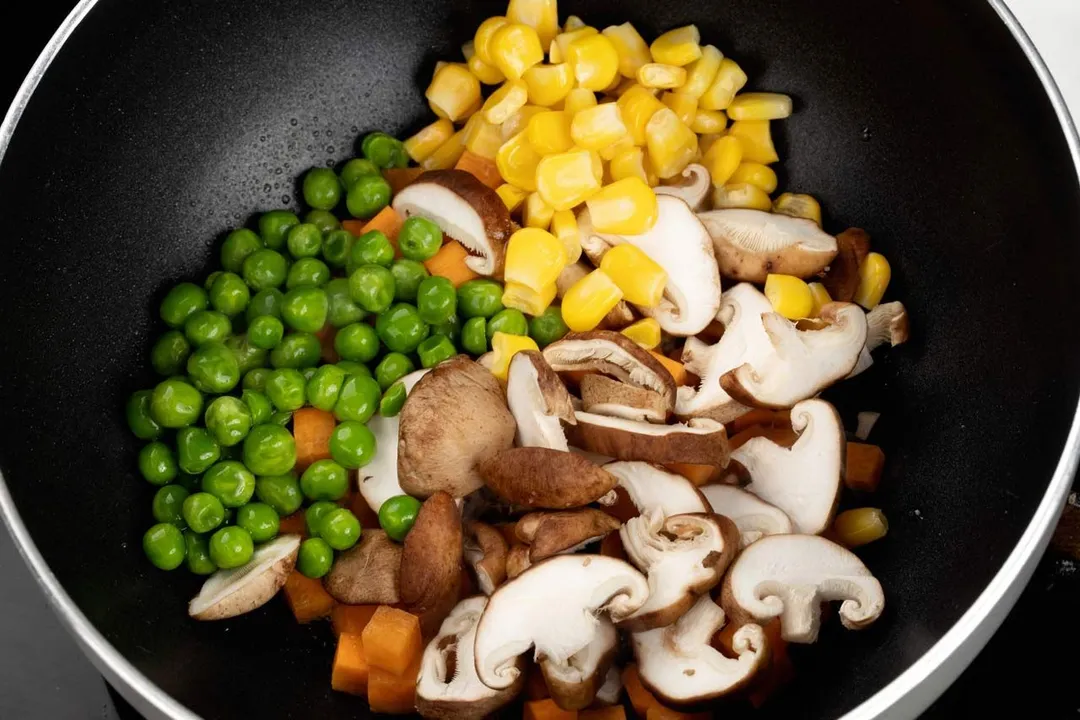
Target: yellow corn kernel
{"points": [[685, 107], [447, 154], [534, 258], [560, 47], [756, 174], [874, 276], [597, 127], [428, 139], [656, 75], [588, 300], [632, 49], [568, 179], [677, 47], [629, 163], [860, 526], [537, 213], [798, 205], [723, 158], [756, 139], [709, 122], [541, 15], [594, 61], [549, 132], [730, 79], [503, 349], [638, 105], [645, 332], [482, 38], [517, 162], [671, 144], [519, 121], [611, 151], [760, 106], [481, 137], [743, 195], [625, 207], [641, 280], [470, 111], [789, 296], [622, 87], [487, 74], [573, 22], [577, 100], [514, 49], [820, 296], [453, 90], [549, 84], [555, 54], [564, 226], [511, 196], [702, 72], [705, 142], [527, 300], [505, 101]]}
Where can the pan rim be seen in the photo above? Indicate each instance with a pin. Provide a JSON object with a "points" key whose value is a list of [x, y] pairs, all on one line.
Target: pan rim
{"points": [[905, 696]]}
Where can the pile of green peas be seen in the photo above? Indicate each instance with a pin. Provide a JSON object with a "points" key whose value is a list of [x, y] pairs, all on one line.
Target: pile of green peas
{"points": [[243, 352]]}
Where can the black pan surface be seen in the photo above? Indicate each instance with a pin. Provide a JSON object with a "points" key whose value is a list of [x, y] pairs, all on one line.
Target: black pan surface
{"points": [[161, 125]]}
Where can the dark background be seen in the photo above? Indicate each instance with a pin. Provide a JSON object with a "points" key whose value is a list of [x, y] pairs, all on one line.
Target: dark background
{"points": [[43, 674]]}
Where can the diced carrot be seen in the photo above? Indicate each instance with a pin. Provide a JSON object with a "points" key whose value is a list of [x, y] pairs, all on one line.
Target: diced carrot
{"points": [[388, 221], [784, 436], [615, 712], [611, 546], [697, 474], [535, 686], [393, 693], [350, 673], [326, 341], [659, 712], [311, 430], [864, 465], [547, 710], [400, 178], [482, 168], [392, 640], [640, 698], [355, 227], [306, 597], [294, 524], [676, 368], [449, 263], [351, 619], [759, 416]]}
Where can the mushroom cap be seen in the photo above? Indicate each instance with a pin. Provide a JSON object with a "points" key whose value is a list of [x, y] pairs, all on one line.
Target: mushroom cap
{"points": [[803, 362], [368, 573], [842, 279], [692, 186], [542, 478], [700, 441], [681, 668], [790, 576], [430, 575], [517, 561], [447, 687], [228, 593], [573, 685], [602, 395], [754, 517], [652, 488], [455, 418], [466, 210], [683, 556], [378, 480], [613, 354], [551, 533], [887, 323], [485, 549], [554, 607], [539, 402], [804, 480], [750, 244]]}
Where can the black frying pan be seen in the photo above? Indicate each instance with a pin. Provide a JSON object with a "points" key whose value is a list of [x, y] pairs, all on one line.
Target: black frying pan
{"points": [[159, 125]]}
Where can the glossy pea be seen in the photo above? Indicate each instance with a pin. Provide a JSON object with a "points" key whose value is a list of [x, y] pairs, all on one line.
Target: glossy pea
{"points": [[286, 389], [435, 349], [281, 418], [167, 505], [228, 420], [296, 350], [352, 444], [256, 379], [198, 554], [237, 246], [408, 274], [269, 450], [436, 300], [392, 368], [419, 238], [401, 328], [340, 308], [321, 188], [323, 388], [324, 480], [510, 321], [265, 269], [358, 399], [315, 558], [398, 515], [203, 512], [274, 227], [261, 521], [175, 404], [209, 281], [337, 244], [281, 492], [474, 336], [265, 302], [314, 515], [207, 326], [372, 248], [325, 220], [340, 529], [157, 463], [307, 271], [170, 353], [248, 357], [231, 547], [213, 368], [164, 546], [304, 240], [358, 342], [308, 373], [350, 367], [196, 449], [258, 405], [355, 169], [384, 151], [180, 302], [367, 196], [393, 400], [140, 416], [548, 326], [305, 309], [479, 298], [265, 332], [451, 328], [229, 294], [230, 482], [372, 288]]}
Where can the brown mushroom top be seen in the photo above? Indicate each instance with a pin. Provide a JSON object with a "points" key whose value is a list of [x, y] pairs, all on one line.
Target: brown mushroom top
{"points": [[431, 561], [367, 574], [550, 533], [614, 354], [542, 478]]}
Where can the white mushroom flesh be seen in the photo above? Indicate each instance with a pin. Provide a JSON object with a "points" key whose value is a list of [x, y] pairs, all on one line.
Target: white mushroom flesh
{"points": [[610, 692], [692, 186], [651, 488], [593, 351], [538, 424], [749, 244], [378, 480], [583, 667], [228, 593], [754, 517], [886, 323]]}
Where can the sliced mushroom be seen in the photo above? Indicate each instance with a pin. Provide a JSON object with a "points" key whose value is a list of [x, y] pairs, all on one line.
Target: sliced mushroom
{"points": [[700, 441], [517, 561], [378, 480], [447, 687], [228, 593], [790, 576], [613, 354], [602, 395], [887, 323], [368, 573], [543, 478], [803, 362], [464, 209], [681, 668], [692, 186], [554, 607], [454, 418], [485, 550], [754, 517], [574, 684], [430, 575], [683, 556], [862, 364], [539, 402], [651, 488], [617, 318], [750, 244], [551, 533], [842, 279], [610, 692]]}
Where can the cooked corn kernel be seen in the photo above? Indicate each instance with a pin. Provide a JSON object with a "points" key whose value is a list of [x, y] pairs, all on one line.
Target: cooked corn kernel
{"points": [[760, 106], [632, 49], [709, 122], [567, 179], [560, 47], [594, 61], [447, 154], [453, 90], [517, 162], [487, 74], [514, 49], [555, 55], [702, 72], [519, 121], [527, 300], [798, 205], [645, 332], [622, 87], [730, 79], [482, 38], [874, 276], [588, 300], [672, 145], [549, 84], [685, 107], [723, 158], [541, 15], [611, 151], [534, 258], [549, 132], [482, 137], [743, 195], [428, 139], [504, 347], [577, 100], [641, 280], [470, 111], [511, 196], [573, 22], [625, 207], [638, 105], [677, 47], [597, 127], [537, 213], [657, 75], [860, 526], [505, 101], [629, 163], [705, 142], [756, 139], [756, 174], [789, 296], [564, 226], [820, 296]]}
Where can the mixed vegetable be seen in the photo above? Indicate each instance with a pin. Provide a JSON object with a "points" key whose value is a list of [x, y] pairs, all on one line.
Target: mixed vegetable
{"points": [[557, 381]]}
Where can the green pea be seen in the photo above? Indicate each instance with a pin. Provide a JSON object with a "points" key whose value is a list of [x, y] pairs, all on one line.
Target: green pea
{"points": [[207, 326], [408, 274], [350, 367], [479, 298], [140, 415], [297, 350], [307, 271], [336, 247], [305, 309], [436, 300], [451, 328], [372, 248], [510, 321], [167, 506], [435, 349], [281, 418], [285, 388], [274, 227], [326, 221], [304, 240], [175, 404], [229, 294], [340, 529], [214, 368], [180, 302], [352, 445], [355, 169], [393, 400], [266, 332], [474, 336], [265, 302], [281, 492], [265, 269], [198, 554], [358, 342], [397, 515], [261, 522], [228, 419], [231, 547], [341, 310], [269, 450], [315, 558], [248, 357], [203, 511], [170, 353], [258, 405], [419, 238], [237, 246], [322, 189], [308, 373], [324, 387], [367, 196], [157, 464], [401, 328], [164, 546], [256, 379], [314, 515], [384, 151], [358, 399], [372, 287], [548, 326], [196, 449], [392, 368], [324, 480], [230, 482]]}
